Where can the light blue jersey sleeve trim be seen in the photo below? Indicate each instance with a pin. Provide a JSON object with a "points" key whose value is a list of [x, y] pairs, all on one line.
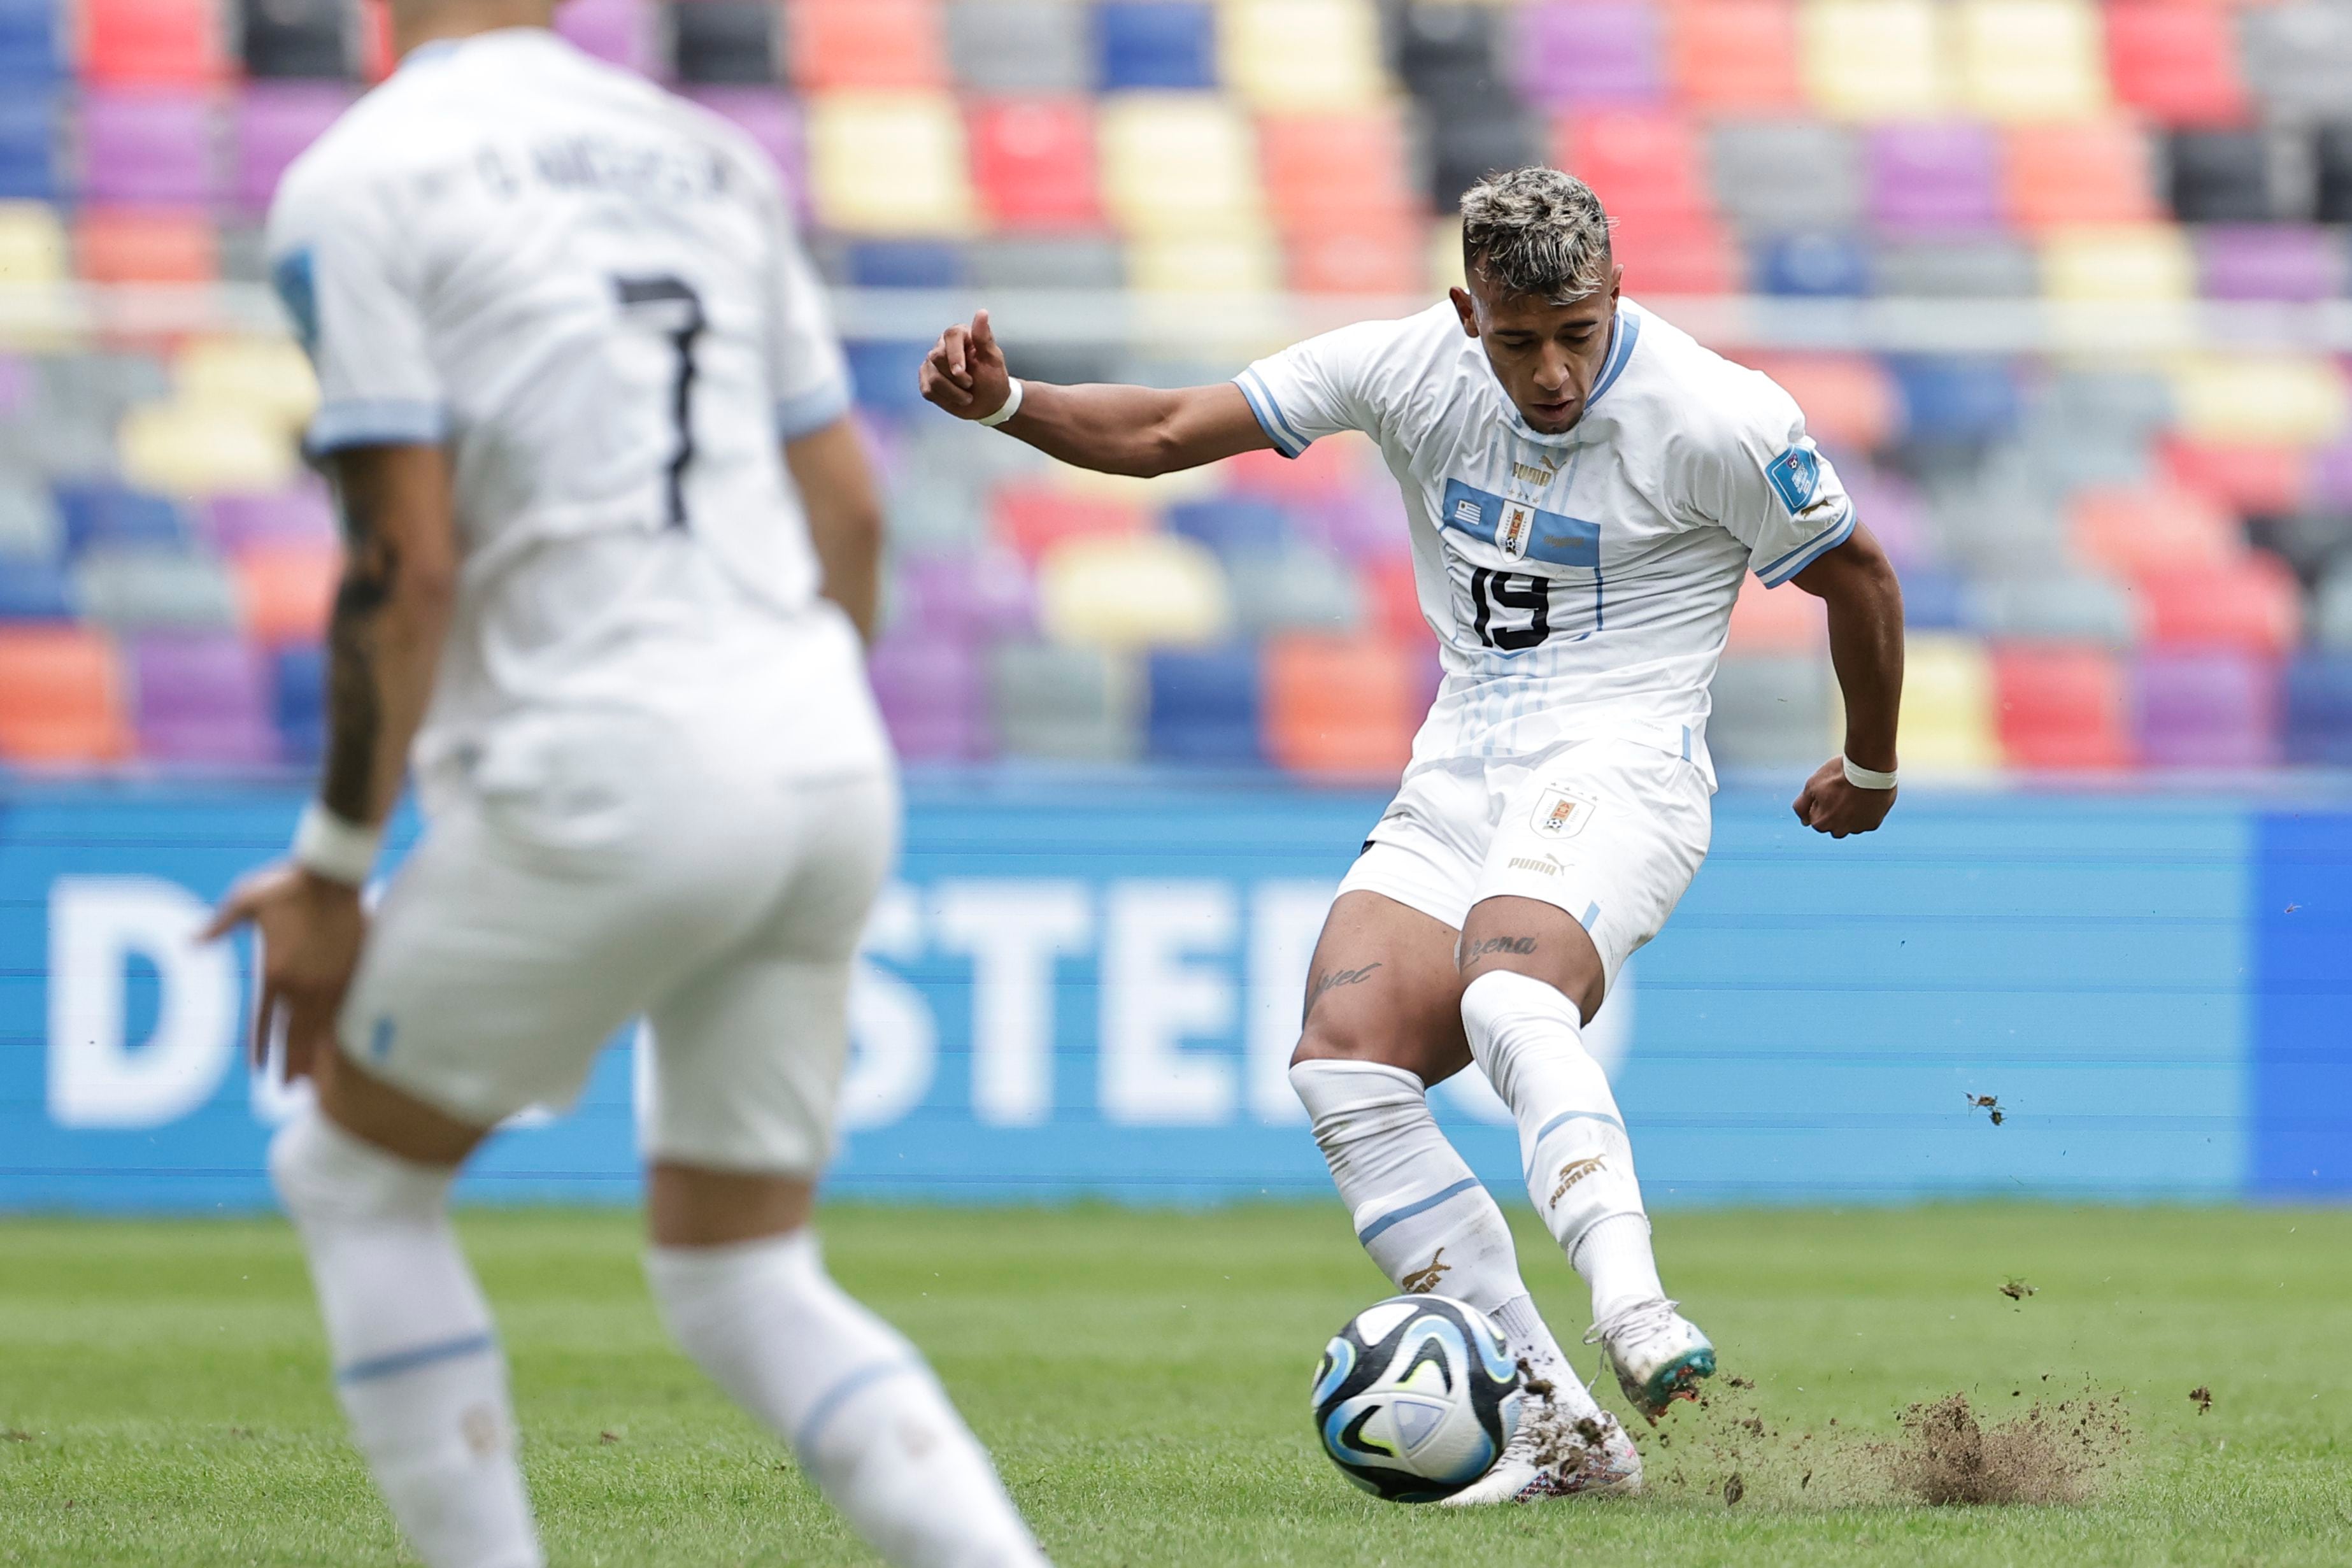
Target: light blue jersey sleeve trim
{"points": [[376, 421], [1804, 555], [813, 410], [1286, 441]]}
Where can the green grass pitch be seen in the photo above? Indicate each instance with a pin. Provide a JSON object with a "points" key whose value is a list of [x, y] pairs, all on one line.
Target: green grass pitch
{"points": [[1143, 1378]]}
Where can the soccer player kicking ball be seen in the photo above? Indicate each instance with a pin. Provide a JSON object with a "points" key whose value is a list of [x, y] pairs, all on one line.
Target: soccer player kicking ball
{"points": [[609, 530], [1585, 485]]}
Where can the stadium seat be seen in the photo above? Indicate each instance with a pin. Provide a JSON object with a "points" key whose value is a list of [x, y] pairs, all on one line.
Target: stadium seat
{"points": [[2318, 701], [887, 163], [1470, 145], [1046, 261], [1342, 170], [61, 698], [726, 41], [274, 122], [619, 32], [1820, 264], [2137, 263], [1589, 52], [1669, 255], [1933, 177], [2270, 261], [300, 515], [1375, 257], [114, 245], [2062, 706], [148, 146], [104, 514], [1022, 48], [2260, 477], [297, 705], [1243, 263], [903, 264], [177, 42], [32, 244], [2175, 64], [2297, 57], [1734, 57], [296, 39], [1772, 710], [1033, 518], [1953, 267], [1871, 60], [1640, 163], [1203, 707], [866, 44], [1231, 524], [2332, 202], [2094, 172], [30, 528], [1065, 704], [145, 588], [1284, 56], [1947, 705], [1032, 162], [30, 58], [36, 590], [1156, 46], [2030, 60], [2206, 709], [771, 120], [1339, 706], [1280, 586], [929, 690], [268, 376], [2046, 605], [1394, 600], [1787, 177], [2331, 478], [2331, 609], [1848, 400], [284, 591], [1134, 592], [204, 701], [2259, 399], [2252, 606], [973, 595], [191, 448], [2133, 531], [1955, 400], [2221, 176], [1177, 163], [28, 138], [1766, 621]]}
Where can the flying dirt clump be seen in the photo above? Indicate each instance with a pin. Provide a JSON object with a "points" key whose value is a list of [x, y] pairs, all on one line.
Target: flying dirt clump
{"points": [[2051, 1453]]}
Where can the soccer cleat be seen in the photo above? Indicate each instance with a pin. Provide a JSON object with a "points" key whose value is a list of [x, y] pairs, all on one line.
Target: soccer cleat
{"points": [[1659, 1354], [1550, 1457]]}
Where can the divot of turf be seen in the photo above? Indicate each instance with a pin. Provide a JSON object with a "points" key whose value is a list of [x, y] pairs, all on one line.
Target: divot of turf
{"points": [[2051, 1453]]}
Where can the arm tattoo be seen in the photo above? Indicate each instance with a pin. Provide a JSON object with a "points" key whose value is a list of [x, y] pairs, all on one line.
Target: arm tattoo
{"points": [[1332, 977], [354, 705]]}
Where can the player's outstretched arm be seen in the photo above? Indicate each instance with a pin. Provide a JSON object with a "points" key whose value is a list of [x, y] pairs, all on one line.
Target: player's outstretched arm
{"points": [[1865, 613], [844, 517], [1138, 430]]}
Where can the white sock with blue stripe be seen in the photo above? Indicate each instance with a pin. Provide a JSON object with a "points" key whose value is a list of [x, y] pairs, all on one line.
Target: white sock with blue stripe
{"points": [[1572, 1144], [857, 1402], [1428, 1222], [418, 1367]]}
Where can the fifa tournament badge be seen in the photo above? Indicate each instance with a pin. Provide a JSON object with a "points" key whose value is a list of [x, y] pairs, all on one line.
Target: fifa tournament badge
{"points": [[1517, 526]]}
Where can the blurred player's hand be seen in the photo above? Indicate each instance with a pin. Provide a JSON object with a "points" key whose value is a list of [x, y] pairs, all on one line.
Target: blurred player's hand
{"points": [[1830, 804], [965, 372], [311, 930]]}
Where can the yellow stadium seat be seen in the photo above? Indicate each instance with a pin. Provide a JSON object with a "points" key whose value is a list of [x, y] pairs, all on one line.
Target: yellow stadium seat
{"points": [[1179, 164], [1204, 264], [1872, 59], [889, 164], [2137, 263], [33, 248], [2030, 60], [1137, 591], [1289, 56], [1948, 706], [2261, 400], [1446, 253], [267, 376], [202, 449]]}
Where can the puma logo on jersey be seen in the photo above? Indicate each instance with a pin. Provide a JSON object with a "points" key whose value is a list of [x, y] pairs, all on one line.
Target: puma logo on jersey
{"points": [[1424, 1281], [1527, 474], [1571, 1173]]}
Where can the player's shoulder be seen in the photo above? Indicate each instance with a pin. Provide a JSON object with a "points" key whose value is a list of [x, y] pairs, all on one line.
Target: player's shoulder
{"points": [[1683, 395]]}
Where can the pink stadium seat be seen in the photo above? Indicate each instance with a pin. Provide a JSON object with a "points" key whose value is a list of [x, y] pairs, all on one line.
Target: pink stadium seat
{"points": [[114, 245], [1735, 57], [1766, 620], [174, 42], [1848, 400], [2134, 530], [1675, 256], [1033, 518], [2253, 605], [2062, 706], [2176, 61], [276, 121], [839, 44], [61, 699], [2270, 481], [1642, 162], [1032, 162], [2090, 171]]}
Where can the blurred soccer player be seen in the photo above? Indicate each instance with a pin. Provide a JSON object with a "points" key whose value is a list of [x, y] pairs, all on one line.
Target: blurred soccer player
{"points": [[612, 541], [1585, 486]]}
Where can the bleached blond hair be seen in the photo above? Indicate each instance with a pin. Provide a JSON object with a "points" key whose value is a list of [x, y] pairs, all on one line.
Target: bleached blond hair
{"points": [[1537, 232]]}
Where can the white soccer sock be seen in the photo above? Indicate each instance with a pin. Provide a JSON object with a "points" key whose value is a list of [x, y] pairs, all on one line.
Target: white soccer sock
{"points": [[852, 1397], [417, 1365], [1528, 1037], [1417, 1209]]}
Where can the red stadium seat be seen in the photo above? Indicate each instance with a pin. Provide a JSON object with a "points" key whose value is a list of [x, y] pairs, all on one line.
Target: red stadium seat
{"points": [[2260, 479], [284, 591], [1370, 256], [116, 244], [1336, 171], [1395, 597], [1339, 706], [2133, 529], [2176, 61], [1675, 256], [2062, 706], [179, 42], [1034, 516], [1642, 162], [2253, 605], [1848, 400], [1766, 620], [2091, 172], [1327, 466], [1032, 162], [61, 699], [1735, 57], [867, 43]]}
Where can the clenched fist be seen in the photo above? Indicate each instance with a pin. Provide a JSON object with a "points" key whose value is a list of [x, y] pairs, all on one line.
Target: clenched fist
{"points": [[1829, 804], [965, 372]]}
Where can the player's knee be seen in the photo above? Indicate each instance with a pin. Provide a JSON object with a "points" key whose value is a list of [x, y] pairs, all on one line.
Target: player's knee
{"points": [[1502, 1005], [324, 1173]]}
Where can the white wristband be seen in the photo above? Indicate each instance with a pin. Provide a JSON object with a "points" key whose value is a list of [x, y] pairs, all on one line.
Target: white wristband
{"points": [[334, 847], [1011, 406], [1866, 778]]}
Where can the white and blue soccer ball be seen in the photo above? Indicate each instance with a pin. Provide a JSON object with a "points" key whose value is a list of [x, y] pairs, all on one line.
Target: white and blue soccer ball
{"points": [[1416, 1398]]}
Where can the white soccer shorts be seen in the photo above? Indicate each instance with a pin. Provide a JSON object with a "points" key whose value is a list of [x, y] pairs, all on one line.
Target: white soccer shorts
{"points": [[593, 868], [1611, 831]]}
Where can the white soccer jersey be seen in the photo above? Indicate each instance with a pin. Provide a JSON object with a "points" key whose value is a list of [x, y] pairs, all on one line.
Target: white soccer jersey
{"points": [[592, 291], [1579, 584]]}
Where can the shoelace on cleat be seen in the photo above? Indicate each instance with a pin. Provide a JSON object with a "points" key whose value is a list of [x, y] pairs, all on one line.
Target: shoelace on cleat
{"points": [[1651, 1315]]}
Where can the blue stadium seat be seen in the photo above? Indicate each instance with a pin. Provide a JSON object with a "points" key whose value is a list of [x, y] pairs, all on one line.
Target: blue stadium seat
{"points": [[1205, 707], [1955, 400], [1934, 599], [34, 590], [1815, 264], [1231, 524], [28, 43], [28, 137], [1156, 44], [298, 701], [2319, 710], [884, 374], [106, 514], [905, 264]]}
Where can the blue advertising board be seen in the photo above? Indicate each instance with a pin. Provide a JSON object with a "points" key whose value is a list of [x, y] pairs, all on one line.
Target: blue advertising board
{"points": [[1092, 988]]}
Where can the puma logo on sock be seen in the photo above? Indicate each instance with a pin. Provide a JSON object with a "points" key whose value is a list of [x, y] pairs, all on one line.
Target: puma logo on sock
{"points": [[1571, 1173], [1424, 1282]]}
